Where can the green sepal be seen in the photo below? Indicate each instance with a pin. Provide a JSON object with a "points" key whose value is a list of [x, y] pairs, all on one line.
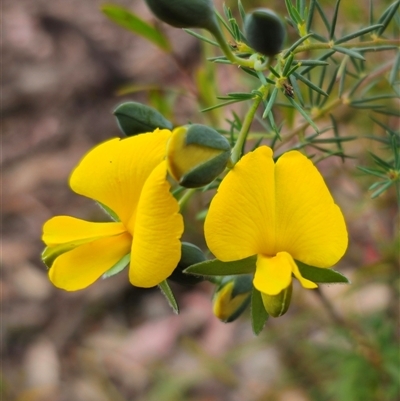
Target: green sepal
{"points": [[109, 211], [50, 254], [205, 173], [259, 315], [118, 267], [190, 255], [132, 22], [136, 118], [217, 268], [265, 31], [321, 275], [169, 295], [202, 135], [277, 305]]}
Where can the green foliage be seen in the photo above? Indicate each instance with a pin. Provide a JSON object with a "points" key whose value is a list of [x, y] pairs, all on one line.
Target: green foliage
{"points": [[132, 22]]}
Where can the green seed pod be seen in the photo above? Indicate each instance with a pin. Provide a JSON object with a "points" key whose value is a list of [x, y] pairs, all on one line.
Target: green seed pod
{"points": [[277, 305], [232, 297], [196, 155], [190, 255], [136, 118], [264, 31], [185, 13]]}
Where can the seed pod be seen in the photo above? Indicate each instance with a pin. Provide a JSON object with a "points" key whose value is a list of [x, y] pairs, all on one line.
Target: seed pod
{"points": [[190, 255], [264, 31], [185, 13], [196, 155], [277, 305], [232, 297], [136, 118]]}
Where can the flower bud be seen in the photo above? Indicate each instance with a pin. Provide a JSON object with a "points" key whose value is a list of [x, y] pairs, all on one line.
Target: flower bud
{"points": [[196, 155], [190, 255], [232, 297], [277, 305], [185, 13], [135, 118], [264, 31]]}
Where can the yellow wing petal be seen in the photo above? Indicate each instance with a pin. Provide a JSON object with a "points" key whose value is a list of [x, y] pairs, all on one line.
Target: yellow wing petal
{"points": [[77, 269], [156, 249]]}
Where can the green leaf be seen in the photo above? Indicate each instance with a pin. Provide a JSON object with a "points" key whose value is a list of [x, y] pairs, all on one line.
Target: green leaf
{"points": [[201, 37], [259, 315], [169, 295], [110, 212], [348, 52], [334, 19], [321, 275], [356, 34], [310, 84], [303, 113], [132, 22], [387, 16], [217, 268], [296, 44], [118, 267], [270, 103]]}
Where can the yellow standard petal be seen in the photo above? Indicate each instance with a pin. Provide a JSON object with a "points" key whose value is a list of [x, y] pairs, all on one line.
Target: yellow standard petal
{"points": [[273, 274], [114, 172], [156, 249], [241, 218], [310, 226], [65, 229], [77, 269]]}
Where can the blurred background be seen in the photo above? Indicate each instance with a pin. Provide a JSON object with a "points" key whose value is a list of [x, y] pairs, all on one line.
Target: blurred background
{"points": [[63, 65]]}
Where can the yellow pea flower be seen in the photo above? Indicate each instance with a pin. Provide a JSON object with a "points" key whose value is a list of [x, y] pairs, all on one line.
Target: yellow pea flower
{"points": [[280, 212], [129, 177]]}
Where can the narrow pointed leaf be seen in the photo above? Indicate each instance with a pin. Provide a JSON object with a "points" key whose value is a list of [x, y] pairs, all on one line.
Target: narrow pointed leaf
{"points": [[334, 19], [310, 15], [303, 113], [319, 275], [201, 37], [323, 16], [217, 268], [118, 267], [167, 292], [259, 315], [348, 52], [354, 35], [387, 16], [310, 84], [271, 102], [296, 44], [132, 22]]}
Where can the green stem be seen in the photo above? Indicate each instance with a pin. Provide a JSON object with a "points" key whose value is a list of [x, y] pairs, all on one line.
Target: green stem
{"points": [[327, 46], [218, 35], [185, 197], [237, 149]]}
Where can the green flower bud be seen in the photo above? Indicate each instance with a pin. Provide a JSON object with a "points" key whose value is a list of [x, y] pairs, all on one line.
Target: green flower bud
{"points": [[232, 297], [135, 118], [264, 31], [196, 155], [277, 305], [185, 13], [190, 255]]}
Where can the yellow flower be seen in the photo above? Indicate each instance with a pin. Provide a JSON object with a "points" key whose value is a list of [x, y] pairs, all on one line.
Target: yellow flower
{"points": [[128, 177], [280, 212]]}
